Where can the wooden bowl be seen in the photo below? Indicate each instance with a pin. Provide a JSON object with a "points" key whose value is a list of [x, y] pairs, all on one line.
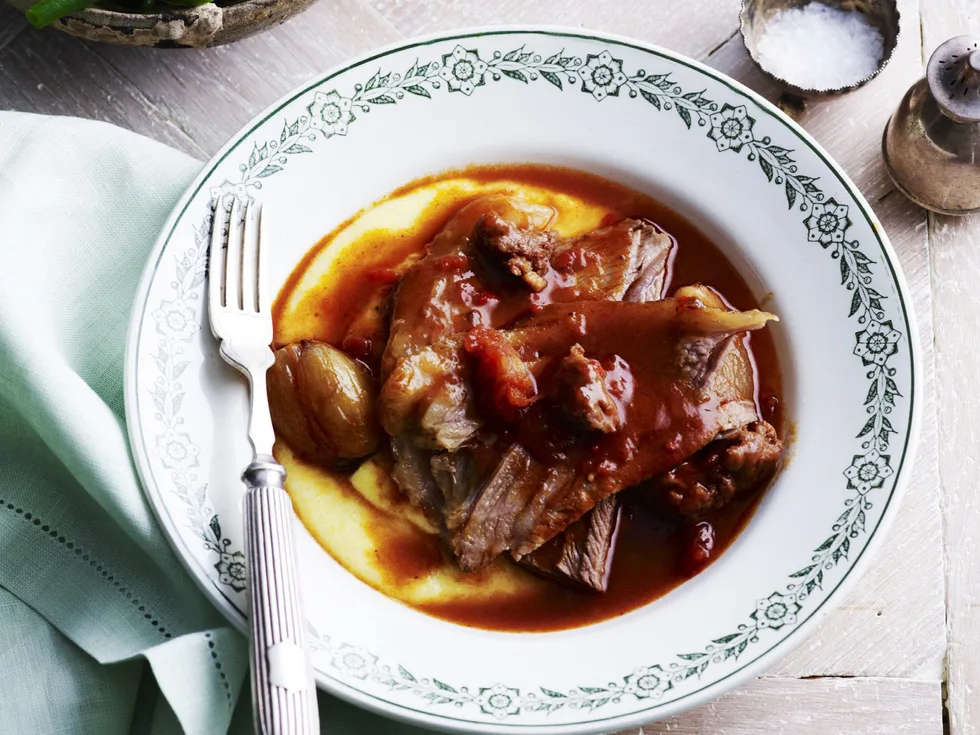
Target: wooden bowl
{"points": [[200, 27]]}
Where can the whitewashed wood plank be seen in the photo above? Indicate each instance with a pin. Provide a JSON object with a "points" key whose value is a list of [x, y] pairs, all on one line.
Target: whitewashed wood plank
{"points": [[856, 706], [12, 24], [956, 273], [211, 93], [691, 28], [943, 19], [191, 99], [51, 73]]}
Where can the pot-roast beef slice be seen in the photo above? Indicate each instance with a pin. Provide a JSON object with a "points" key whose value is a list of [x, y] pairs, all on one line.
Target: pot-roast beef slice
{"points": [[583, 552], [576, 269], [747, 455], [627, 260], [522, 252], [434, 299], [582, 392], [673, 348], [431, 301], [736, 461], [447, 419], [552, 505]]}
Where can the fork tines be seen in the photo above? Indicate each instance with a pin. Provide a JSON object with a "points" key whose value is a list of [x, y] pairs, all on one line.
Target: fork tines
{"points": [[233, 257]]}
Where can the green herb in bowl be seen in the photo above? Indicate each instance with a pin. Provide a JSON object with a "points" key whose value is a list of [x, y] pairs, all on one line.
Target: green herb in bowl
{"points": [[160, 23], [45, 12]]}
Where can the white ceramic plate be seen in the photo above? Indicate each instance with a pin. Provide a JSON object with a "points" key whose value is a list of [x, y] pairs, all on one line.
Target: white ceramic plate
{"points": [[717, 153]]}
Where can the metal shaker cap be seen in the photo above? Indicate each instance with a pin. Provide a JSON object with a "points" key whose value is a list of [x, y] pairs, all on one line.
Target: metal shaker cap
{"points": [[954, 78]]}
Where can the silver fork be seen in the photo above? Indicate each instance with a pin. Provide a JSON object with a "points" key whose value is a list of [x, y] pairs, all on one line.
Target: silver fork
{"points": [[283, 692]]}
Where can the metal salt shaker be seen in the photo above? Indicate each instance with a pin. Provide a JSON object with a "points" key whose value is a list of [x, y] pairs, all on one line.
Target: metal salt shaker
{"points": [[931, 144]]}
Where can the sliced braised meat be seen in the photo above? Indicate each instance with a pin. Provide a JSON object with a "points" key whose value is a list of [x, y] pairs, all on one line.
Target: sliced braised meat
{"points": [[752, 453], [458, 476], [444, 292], [448, 417], [583, 553], [664, 337], [438, 295], [522, 252], [652, 270], [734, 462], [626, 261], [506, 503], [431, 302], [670, 415], [412, 472], [493, 494], [582, 394]]}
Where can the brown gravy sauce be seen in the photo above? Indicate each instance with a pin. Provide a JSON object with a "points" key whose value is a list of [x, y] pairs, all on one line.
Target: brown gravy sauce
{"points": [[646, 564]]}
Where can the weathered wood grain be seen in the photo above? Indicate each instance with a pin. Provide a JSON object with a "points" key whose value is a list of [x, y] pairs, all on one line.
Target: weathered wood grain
{"points": [[955, 275], [813, 707], [210, 94], [51, 73], [193, 100], [12, 24], [767, 706], [692, 28]]}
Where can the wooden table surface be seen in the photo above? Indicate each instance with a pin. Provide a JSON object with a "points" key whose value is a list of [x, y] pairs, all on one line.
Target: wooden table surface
{"points": [[902, 654]]}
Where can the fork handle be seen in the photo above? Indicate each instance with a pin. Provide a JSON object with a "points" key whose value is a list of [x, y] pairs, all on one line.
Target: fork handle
{"points": [[283, 692]]}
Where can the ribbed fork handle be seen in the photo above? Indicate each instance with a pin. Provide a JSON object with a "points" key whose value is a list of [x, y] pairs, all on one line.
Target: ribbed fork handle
{"points": [[283, 692]]}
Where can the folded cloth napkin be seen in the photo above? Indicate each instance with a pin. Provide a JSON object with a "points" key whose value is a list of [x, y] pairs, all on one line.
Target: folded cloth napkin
{"points": [[81, 203], [101, 629]]}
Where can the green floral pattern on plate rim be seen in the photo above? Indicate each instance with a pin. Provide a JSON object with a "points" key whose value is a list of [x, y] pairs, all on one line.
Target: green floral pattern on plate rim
{"points": [[731, 129]]}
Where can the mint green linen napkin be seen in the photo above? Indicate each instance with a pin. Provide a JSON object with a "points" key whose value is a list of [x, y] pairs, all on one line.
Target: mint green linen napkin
{"points": [[101, 629], [80, 205]]}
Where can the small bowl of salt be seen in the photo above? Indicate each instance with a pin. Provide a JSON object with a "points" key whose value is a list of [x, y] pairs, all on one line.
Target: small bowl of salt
{"points": [[820, 48]]}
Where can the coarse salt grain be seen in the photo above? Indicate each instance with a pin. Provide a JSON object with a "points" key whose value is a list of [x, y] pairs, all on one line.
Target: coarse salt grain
{"points": [[819, 47]]}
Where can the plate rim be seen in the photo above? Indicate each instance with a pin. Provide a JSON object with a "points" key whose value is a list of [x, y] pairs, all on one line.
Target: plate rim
{"points": [[405, 713]]}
